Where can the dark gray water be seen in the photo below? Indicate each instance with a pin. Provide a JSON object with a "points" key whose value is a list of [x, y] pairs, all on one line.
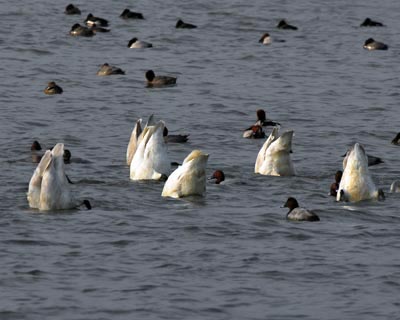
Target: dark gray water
{"points": [[231, 254]]}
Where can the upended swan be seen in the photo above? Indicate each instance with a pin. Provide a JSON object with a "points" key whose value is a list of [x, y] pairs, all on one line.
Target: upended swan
{"points": [[356, 183], [49, 188], [274, 156], [188, 179], [147, 153]]}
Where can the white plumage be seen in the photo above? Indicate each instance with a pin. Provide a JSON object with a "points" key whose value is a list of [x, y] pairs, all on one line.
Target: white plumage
{"points": [[274, 156], [189, 178], [356, 183], [49, 188], [150, 161]]}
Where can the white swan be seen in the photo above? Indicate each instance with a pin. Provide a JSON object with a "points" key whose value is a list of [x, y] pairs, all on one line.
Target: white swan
{"points": [[49, 188], [356, 183], [274, 156], [135, 135], [150, 161], [132, 145], [189, 178], [35, 184]]}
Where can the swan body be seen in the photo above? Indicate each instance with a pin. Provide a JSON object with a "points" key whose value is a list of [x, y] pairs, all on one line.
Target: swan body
{"points": [[49, 188], [356, 183], [189, 178], [130, 152], [274, 156], [150, 160]]}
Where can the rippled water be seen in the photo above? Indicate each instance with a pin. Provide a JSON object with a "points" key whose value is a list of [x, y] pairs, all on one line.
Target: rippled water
{"points": [[231, 254]]}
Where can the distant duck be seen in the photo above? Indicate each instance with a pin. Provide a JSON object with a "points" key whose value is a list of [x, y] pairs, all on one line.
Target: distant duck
{"points": [[53, 88], [263, 121], [218, 176], [150, 160], [159, 81], [371, 44], [78, 30], [71, 9], [189, 179], [107, 70], [284, 25], [356, 183], [91, 19], [127, 14], [49, 188], [254, 132], [265, 39], [96, 29], [183, 25], [371, 23], [299, 214], [135, 43], [335, 186], [274, 157], [396, 140], [174, 138]]}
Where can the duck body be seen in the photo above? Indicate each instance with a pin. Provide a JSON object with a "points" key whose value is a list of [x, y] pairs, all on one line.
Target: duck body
{"points": [[284, 25], [107, 70], [174, 138], [274, 156], [134, 43], [371, 44], [189, 179], [299, 214], [80, 31], [371, 23], [71, 9], [159, 81], [53, 88], [128, 14], [183, 25], [91, 20], [356, 183]]}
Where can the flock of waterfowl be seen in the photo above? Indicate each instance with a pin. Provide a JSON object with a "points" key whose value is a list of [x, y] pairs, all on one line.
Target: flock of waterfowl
{"points": [[147, 153]]}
